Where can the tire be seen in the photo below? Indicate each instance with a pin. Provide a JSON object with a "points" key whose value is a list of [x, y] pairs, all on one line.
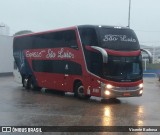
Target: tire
{"points": [[79, 91], [26, 83], [32, 86]]}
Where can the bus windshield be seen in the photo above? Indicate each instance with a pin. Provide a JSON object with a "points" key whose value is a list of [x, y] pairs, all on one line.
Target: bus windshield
{"points": [[118, 39], [123, 68]]}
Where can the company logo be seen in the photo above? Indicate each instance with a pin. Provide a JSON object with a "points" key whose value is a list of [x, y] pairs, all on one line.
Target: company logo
{"points": [[20, 129], [6, 129], [50, 54]]}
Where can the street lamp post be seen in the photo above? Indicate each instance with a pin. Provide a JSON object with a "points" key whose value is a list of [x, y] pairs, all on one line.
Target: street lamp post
{"points": [[145, 64], [129, 13]]}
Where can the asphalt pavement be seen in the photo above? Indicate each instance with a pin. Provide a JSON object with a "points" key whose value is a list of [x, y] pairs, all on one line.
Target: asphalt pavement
{"points": [[20, 107]]}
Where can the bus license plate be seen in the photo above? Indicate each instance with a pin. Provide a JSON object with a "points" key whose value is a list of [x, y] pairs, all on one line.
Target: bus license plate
{"points": [[126, 94]]}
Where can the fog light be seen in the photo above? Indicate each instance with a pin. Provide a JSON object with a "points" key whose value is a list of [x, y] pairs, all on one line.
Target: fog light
{"points": [[141, 91], [107, 92]]}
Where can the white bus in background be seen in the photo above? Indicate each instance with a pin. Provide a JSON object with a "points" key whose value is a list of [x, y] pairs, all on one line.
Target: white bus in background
{"points": [[6, 55]]}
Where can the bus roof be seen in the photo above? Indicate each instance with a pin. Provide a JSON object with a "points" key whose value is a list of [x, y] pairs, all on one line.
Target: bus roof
{"points": [[69, 28], [106, 26]]}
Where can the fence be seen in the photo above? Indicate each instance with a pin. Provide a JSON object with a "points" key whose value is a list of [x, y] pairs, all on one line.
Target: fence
{"points": [[151, 73]]}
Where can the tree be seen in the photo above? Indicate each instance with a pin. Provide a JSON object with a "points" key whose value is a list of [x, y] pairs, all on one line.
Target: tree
{"points": [[23, 32]]}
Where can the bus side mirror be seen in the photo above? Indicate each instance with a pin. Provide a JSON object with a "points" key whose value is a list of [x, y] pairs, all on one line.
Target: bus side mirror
{"points": [[103, 52], [149, 54]]}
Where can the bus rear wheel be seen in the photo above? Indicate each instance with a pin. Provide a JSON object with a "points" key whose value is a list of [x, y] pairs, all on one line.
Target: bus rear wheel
{"points": [[33, 86], [26, 83]]}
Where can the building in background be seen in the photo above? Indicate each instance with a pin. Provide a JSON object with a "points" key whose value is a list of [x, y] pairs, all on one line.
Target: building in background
{"points": [[151, 70], [6, 55], [155, 50], [4, 29]]}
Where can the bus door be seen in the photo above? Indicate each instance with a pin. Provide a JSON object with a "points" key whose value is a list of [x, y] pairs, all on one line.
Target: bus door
{"points": [[67, 78], [72, 69], [62, 78], [96, 66]]}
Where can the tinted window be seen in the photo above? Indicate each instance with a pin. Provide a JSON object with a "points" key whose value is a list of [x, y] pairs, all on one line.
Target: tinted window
{"points": [[123, 68], [94, 62], [48, 40], [93, 59], [57, 66], [88, 36]]}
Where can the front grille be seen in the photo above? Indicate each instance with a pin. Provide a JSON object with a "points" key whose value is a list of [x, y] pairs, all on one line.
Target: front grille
{"points": [[126, 88]]}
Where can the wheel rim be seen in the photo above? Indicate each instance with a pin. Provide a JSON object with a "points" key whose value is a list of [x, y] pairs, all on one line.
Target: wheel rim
{"points": [[32, 86], [25, 82], [80, 91]]}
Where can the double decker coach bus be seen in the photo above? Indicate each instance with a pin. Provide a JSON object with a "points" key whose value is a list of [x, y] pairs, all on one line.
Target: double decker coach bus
{"points": [[88, 60]]}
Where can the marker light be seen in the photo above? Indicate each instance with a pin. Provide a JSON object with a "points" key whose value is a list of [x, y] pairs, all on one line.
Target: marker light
{"points": [[141, 91], [141, 85], [108, 86], [117, 27], [107, 92]]}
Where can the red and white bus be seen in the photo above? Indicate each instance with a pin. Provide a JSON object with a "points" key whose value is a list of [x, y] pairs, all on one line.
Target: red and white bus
{"points": [[88, 60]]}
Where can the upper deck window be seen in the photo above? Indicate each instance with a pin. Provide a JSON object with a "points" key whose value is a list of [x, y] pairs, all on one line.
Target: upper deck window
{"points": [[88, 36], [47, 40]]}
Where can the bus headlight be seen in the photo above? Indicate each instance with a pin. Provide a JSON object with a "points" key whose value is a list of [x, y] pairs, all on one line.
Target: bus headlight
{"points": [[107, 93], [109, 86], [141, 85]]}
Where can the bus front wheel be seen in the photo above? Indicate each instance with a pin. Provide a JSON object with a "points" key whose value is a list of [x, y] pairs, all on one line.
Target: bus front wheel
{"points": [[79, 91]]}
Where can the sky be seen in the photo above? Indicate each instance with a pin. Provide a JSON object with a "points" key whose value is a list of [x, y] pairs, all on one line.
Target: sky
{"points": [[42, 15]]}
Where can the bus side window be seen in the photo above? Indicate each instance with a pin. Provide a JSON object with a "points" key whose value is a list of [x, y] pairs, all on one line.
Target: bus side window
{"points": [[88, 37], [70, 39], [56, 39]]}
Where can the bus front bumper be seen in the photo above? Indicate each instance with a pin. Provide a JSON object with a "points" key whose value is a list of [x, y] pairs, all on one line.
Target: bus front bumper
{"points": [[113, 92]]}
